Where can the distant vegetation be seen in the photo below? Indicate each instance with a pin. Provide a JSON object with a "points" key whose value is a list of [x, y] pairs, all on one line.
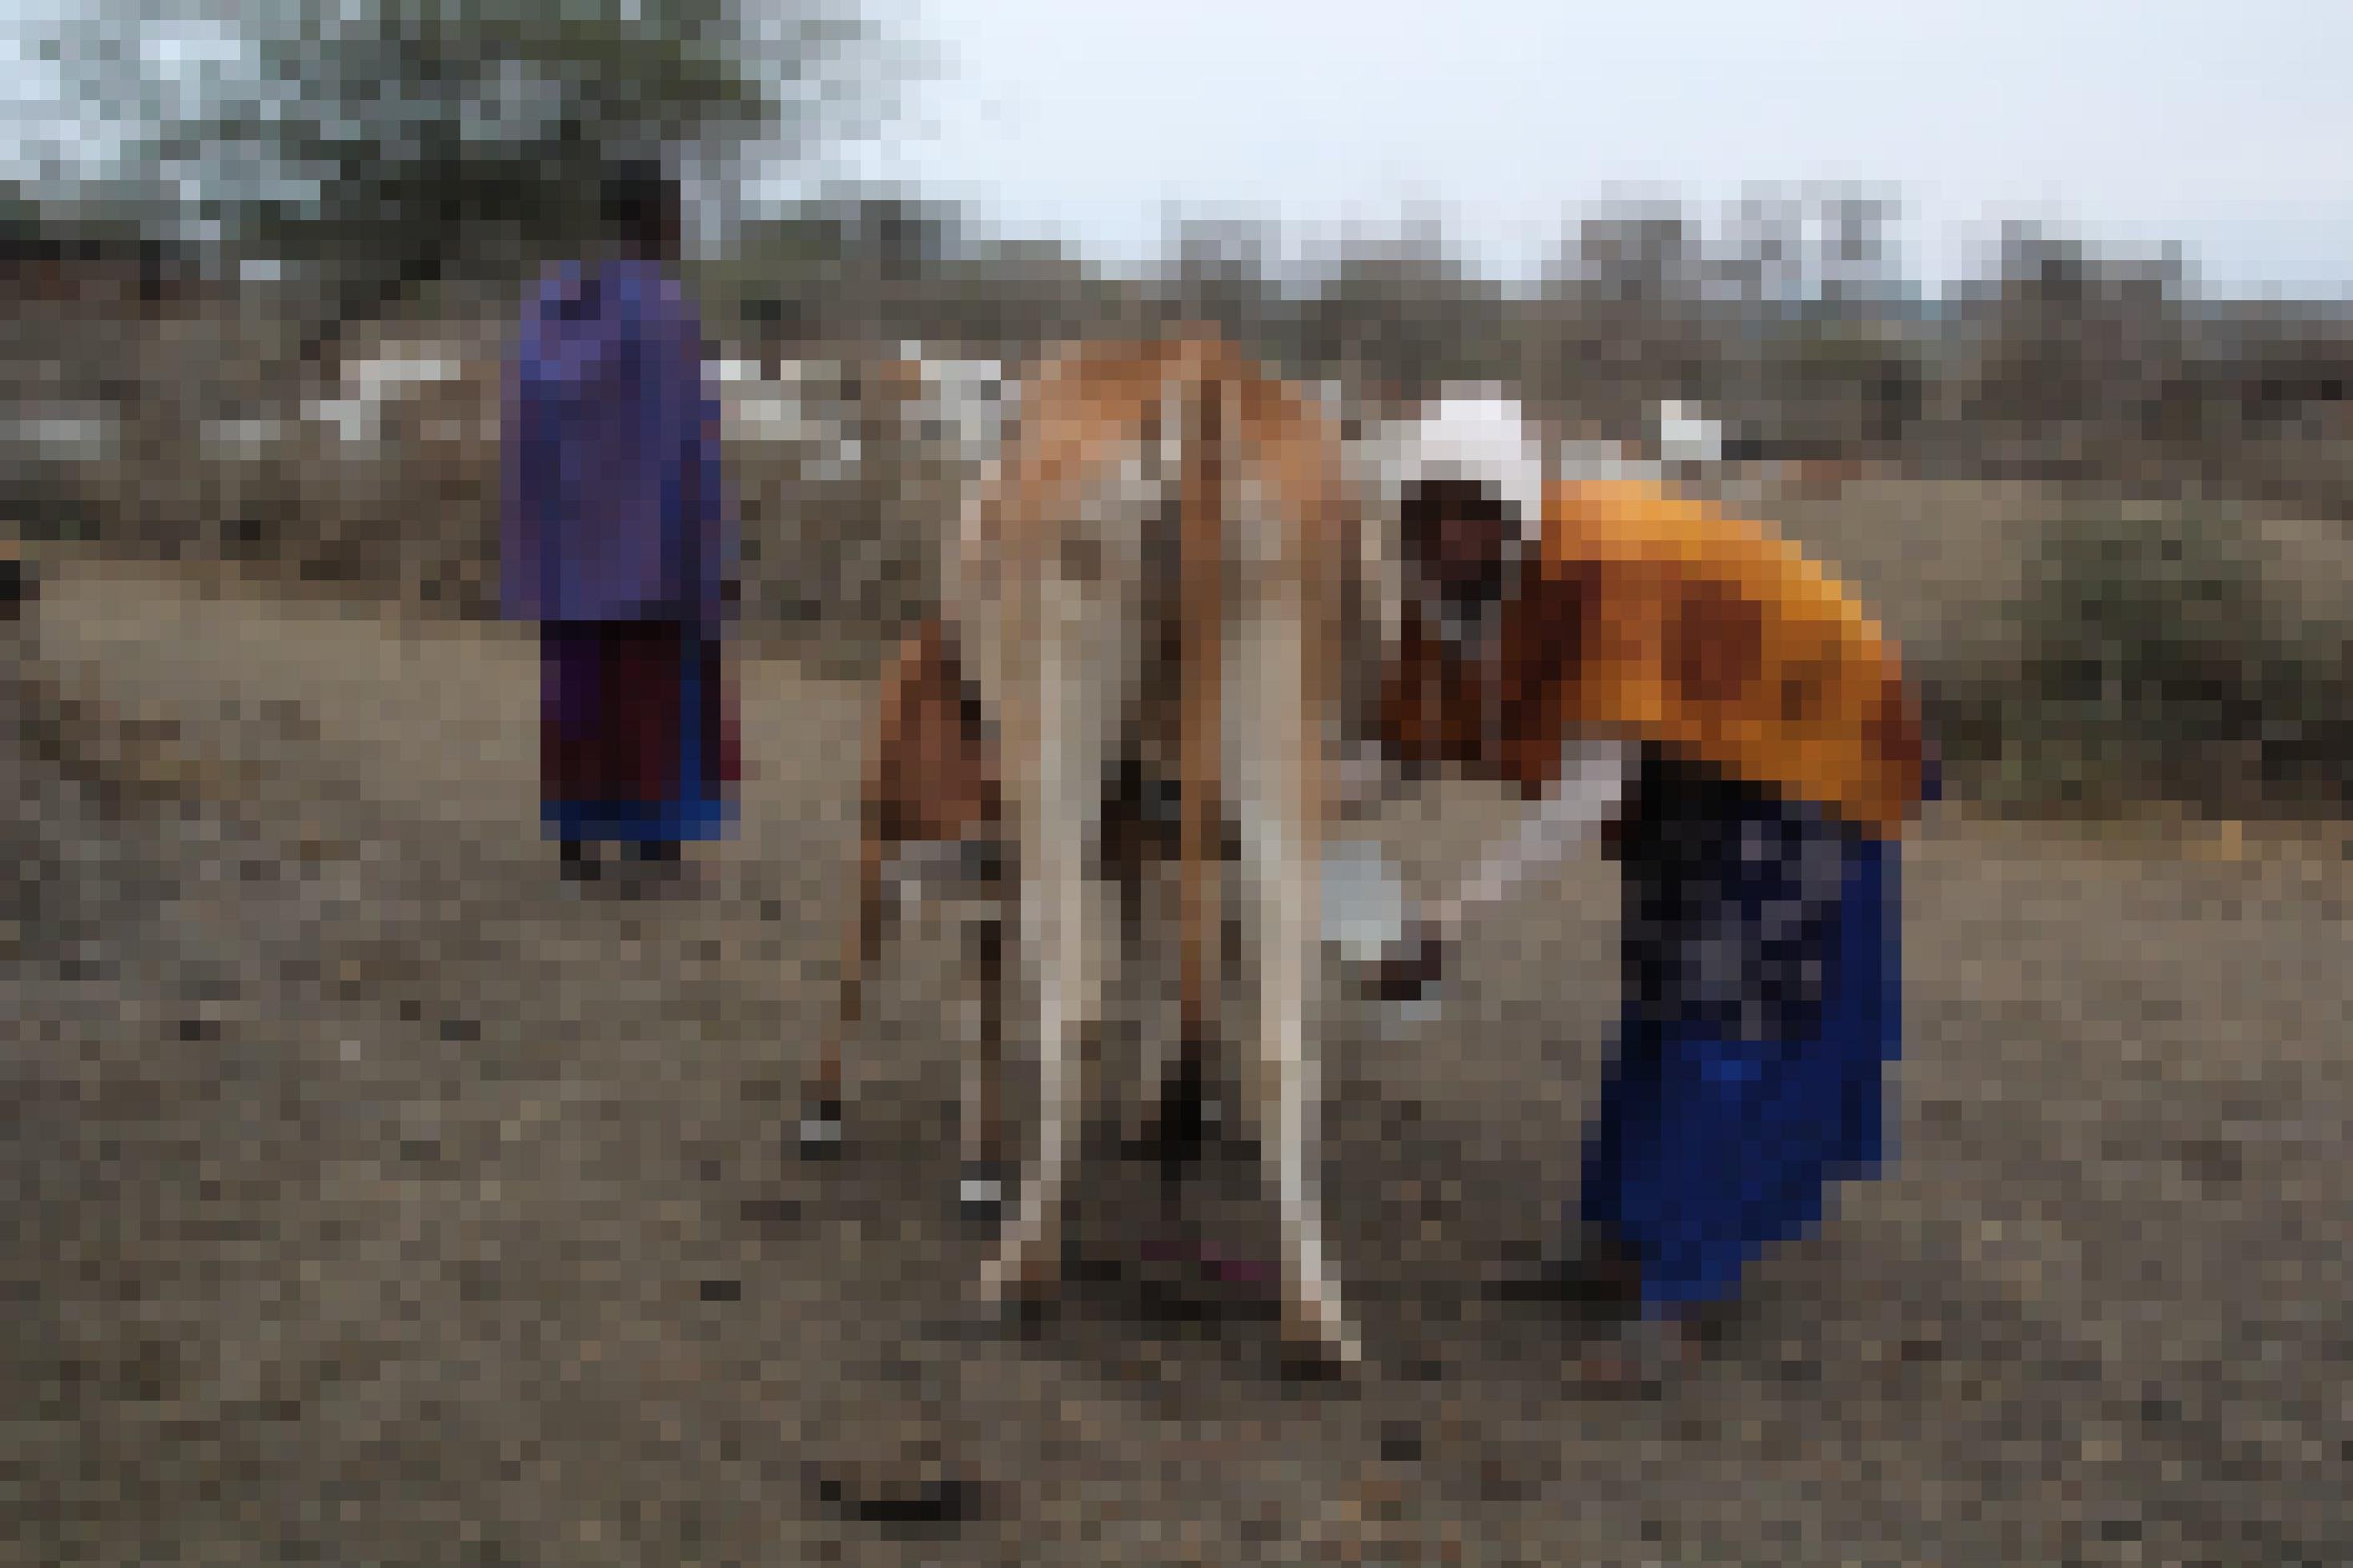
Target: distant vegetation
{"points": [[400, 168], [372, 154]]}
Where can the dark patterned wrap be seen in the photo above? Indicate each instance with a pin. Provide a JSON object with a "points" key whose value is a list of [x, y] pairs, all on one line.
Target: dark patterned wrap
{"points": [[1731, 903]]}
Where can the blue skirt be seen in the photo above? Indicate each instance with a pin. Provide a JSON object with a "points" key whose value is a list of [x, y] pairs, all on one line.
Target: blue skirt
{"points": [[1711, 1142]]}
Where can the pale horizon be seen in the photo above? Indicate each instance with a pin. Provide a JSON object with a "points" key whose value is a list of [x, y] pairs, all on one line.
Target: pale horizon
{"points": [[1089, 124], [1088, 121]]}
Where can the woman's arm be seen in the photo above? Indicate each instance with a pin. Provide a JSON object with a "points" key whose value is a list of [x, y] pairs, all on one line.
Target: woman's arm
{"points": [[1589, 789]]}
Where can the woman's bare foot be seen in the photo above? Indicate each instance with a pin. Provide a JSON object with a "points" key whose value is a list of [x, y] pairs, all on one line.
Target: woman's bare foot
{"points": [[1598, 1273], [1641, 1358]]}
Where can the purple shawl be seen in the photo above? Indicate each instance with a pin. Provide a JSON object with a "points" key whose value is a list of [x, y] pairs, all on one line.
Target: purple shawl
{"points": [[613, 507]]}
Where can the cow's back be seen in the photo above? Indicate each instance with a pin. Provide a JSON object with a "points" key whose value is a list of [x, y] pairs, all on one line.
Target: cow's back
{"points": [[1089, 496]]}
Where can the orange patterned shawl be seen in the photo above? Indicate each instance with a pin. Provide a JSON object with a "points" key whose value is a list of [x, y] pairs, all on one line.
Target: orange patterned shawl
{"points": [[1666, 621]]}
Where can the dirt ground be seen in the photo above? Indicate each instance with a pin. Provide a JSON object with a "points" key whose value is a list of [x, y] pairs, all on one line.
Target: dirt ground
{"points": [[375, 1197]]}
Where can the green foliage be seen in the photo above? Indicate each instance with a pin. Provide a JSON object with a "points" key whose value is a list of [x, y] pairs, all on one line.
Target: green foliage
{"points": [[2158, 664], [382, 145], [1409, 313]]}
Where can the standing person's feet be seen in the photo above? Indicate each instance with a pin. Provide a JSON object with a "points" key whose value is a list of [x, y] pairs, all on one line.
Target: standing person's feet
{"points": [[663, 872], [573, 857]]}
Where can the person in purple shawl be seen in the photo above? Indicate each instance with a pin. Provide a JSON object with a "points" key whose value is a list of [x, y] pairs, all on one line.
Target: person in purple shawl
{"points": [[618, 543]]}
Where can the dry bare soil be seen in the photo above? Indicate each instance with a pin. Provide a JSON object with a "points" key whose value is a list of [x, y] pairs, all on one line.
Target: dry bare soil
{"points": [[372, 1196]]}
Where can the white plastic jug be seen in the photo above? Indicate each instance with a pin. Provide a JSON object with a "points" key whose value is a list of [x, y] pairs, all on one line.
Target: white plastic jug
{"points": [[1363, 901]]}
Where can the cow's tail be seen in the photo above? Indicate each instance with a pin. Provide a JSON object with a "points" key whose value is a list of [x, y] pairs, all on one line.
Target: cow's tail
{"points": [[1202, 618]]}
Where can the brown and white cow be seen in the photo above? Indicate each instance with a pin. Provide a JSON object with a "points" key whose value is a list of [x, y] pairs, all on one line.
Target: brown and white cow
{"points": [[1157, 581]]}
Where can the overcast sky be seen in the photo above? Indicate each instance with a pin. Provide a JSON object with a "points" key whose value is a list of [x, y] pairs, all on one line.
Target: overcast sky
{"points": [[2221, 125]]}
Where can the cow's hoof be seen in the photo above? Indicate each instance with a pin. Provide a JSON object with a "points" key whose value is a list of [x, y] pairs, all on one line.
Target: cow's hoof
{"points": [[1022, 1282], [1315, 1361], [820, 1134], [1019, 1311], [980, 1191], [1319, 1351]]}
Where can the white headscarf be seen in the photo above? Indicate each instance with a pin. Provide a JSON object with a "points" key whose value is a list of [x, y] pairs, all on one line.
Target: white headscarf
{"points": [[1481, 437]]}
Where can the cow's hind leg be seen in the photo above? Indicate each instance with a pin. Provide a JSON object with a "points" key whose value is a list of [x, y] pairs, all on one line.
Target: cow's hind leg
{"points": [[1060, 716], [1274, 756]]}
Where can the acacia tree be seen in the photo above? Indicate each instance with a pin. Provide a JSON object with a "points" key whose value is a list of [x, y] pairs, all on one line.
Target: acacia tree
{"points": [[380, 144]]}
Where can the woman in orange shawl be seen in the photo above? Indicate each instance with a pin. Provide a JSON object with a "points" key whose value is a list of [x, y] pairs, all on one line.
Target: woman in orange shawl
{"points": [[1575, 638]]}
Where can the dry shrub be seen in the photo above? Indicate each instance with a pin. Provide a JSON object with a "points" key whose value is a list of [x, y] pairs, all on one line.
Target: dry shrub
{"points": [[2159, 661]]}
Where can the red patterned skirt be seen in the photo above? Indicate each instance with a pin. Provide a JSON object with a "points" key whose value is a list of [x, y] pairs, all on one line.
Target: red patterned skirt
{"points": [[639, 739]]}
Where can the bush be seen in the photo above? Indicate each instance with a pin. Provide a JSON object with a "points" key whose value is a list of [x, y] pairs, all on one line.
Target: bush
{"points": [[2158, 664]]}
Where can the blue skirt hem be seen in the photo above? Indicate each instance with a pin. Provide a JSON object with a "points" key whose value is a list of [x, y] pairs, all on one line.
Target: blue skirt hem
{"points": [[635, 823]]}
